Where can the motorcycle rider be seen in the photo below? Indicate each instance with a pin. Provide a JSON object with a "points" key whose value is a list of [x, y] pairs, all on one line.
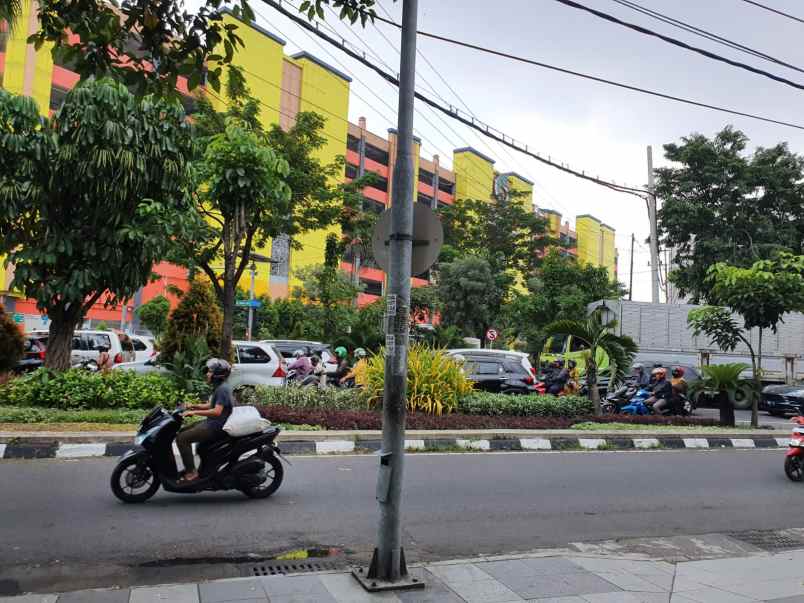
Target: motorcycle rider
{"points": [[662, 392], [357, 370], [641, 378], [302, 365], [574, 383], [216, 411], [559, 381], [343, 364]]}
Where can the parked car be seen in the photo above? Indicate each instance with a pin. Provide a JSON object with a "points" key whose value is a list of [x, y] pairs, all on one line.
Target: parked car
{"points": [[498, 371], [86, 344], [780, 400], [33, 355], [257, 363], [147, 365], [143, 347]]}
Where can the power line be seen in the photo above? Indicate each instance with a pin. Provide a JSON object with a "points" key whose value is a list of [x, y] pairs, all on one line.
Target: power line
{"points": [[680, 44], [594, 78], [773, 10], [454, 113], [705, 34]]}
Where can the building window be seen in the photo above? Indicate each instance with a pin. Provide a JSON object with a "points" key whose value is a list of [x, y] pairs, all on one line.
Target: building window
{"points": [[353, 143], [446, 186], [374, 206], [380, 183], [57, 97], [442, 205], [377, 154], [351, 171], [371, 287], [426, 177], [425, 200]]}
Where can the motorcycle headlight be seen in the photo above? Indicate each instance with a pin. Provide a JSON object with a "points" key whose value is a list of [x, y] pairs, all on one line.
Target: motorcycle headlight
{"points": [[796, 442]]}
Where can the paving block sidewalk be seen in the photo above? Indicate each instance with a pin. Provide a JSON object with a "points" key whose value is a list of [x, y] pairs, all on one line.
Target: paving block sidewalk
{"points": [[567, 578]]}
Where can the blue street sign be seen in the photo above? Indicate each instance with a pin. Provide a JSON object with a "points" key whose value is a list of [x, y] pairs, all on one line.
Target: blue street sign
{"points": [[249, 303]]}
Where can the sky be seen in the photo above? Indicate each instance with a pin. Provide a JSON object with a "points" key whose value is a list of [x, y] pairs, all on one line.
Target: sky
{"points": [[592, 127]]}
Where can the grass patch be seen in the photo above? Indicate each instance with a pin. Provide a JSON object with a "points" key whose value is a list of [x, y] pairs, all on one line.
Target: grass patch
{"points": [[590, 426]]}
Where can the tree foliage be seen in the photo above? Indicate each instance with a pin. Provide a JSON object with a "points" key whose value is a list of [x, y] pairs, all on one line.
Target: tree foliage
{"points": [[11, 342], [721, 205], [154, 315], [90, 199], [196, 316]]}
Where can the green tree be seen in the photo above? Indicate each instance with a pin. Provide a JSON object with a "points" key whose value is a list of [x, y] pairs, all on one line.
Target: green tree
{"points": [[761, 294], [560, 289], [721, 381], [89, 199], [154, 315], [598, 335], [721, 205], [196, 317], [471, 295], [11, 342], [10, 12]]}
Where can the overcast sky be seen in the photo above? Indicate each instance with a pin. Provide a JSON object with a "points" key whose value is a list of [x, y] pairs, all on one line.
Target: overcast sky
{"points": [[593, 127]]}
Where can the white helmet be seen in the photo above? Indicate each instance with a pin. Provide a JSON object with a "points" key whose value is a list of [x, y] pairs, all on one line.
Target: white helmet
{"points": [[298, 353]]}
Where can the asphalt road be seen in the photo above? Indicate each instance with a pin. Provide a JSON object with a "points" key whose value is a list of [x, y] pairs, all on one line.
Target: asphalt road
{"points": [[743, 418], [455, 506]]}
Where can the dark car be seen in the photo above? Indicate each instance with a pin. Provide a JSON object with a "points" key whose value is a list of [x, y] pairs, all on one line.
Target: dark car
{"points": [[780, 400], [499, 374], [34, 355]]}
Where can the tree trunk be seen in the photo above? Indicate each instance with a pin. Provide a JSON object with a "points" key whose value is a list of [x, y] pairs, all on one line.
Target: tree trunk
{"points": [[757, 384], [726, 409], [591, 383], [228, 317], [60, 338], [356, 262]]}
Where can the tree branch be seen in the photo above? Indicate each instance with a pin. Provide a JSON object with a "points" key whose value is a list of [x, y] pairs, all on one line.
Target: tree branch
{"points": [[87, 305], [244, 255], [212, 277]]}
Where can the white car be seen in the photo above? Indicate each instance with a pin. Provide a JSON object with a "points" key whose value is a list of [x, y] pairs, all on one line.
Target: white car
{"points": [[522, 357], [86, 344], [143, 347], [148, 365]]}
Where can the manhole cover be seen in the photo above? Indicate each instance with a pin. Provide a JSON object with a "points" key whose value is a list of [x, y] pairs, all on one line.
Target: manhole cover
{"points": [[272, 568], [771, 540]]}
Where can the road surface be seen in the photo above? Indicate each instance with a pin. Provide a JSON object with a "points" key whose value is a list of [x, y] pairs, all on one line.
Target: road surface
{"points": [[743, 418]]}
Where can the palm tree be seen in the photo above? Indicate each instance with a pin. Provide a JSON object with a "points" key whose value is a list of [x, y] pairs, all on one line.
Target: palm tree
{"points": [[722, 381], [10, 12], [598, 335]]}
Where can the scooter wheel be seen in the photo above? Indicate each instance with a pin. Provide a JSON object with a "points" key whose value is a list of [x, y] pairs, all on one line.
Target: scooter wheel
{"points": [[794, 468], [133, 481], [274, 472]]}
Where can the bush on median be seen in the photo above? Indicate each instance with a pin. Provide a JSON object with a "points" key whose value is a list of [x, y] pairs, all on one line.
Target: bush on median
{"points": [[484, 403], [78, 389], [329, 398], [29, 414]]}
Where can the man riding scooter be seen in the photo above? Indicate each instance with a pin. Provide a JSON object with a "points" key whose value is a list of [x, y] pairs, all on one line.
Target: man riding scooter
{"points": [[301, 366], [662, 392], [216, 411], [559, 380]]}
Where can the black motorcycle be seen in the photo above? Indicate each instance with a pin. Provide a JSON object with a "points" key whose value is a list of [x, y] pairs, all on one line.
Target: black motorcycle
{"points": [[248, 463]]}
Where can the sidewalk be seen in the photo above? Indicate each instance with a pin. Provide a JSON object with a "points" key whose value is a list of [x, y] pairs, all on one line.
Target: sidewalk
{"points": [[570, 577]]}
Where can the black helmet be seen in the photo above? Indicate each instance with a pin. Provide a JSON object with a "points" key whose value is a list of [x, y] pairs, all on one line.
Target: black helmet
{"points": [[219, 369]]}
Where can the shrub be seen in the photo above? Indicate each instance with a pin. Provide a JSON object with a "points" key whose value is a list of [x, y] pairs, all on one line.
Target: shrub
{"points": [[27, 414], [484, 403], [77, 389], [329, 398], [11, 342], [436, 382], [197, 315], [154, 315]]}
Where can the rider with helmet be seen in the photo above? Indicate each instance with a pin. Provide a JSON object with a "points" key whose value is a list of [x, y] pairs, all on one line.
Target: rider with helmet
{"points": [[216, 411], [641, 376], [662, 391], [357, 370], [302, 365], [343, 364], [559, 380]]}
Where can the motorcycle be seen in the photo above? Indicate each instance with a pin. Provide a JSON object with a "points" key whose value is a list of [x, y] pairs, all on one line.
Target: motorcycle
{"points": [[794, 458], [293, 379], [247, 463], [615, 401], [681, 406]]}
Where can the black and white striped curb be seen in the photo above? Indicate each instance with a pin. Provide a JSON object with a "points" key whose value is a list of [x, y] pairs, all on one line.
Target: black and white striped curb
{"points": [[38, 448]]}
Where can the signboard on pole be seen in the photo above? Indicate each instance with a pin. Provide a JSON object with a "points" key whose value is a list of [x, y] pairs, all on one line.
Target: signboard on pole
{"points": [[492, 334], [428, 237], [249, 303]]}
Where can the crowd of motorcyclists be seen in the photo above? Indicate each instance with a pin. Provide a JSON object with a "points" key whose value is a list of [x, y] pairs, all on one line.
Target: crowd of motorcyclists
{"points": [[310, 369], [664, 396]]}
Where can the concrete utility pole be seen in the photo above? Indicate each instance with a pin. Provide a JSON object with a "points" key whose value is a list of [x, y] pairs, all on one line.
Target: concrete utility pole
{"points": [[253, 269], [631, 279], [654, 236], [388, 568]]}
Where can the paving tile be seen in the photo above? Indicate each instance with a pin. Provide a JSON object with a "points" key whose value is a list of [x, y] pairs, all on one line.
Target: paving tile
{"points": [[278, 586], [540, 587], [467, 572], [560, 600], [435, 591], [768, 589], [346, 589], [177, 593], [222, 591], [552, 566], [625, 566], [96, 596], [620, 597], [29, 598], [634, 583], [664, 582], [796, 599], [715, 595], [485, 591]]}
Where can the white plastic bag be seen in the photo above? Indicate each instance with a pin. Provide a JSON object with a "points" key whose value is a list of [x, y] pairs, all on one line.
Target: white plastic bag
{"points": [[244, 421]]}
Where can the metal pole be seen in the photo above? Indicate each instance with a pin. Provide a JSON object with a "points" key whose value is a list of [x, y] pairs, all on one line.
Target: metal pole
{"points": [[253, 269], [388, 564], [631, 280], [654, 236]]}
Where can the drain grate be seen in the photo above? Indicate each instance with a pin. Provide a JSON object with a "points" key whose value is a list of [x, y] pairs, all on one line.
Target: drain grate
{"points": [[771, 540], [273, 568]]}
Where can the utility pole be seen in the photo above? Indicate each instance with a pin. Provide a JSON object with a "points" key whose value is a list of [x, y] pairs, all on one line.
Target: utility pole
{"points": [[654, 235], [631, 279], [388, 569], [253, 269]]}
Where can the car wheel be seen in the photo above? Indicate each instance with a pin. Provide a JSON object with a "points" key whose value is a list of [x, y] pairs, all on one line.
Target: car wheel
{"points": [[776, 413], [743, 398]]}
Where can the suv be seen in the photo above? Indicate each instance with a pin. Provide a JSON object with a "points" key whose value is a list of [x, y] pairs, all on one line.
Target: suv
{"points": [[257, 363], [86, 344], [143, 347], [498, 371], [33, 356]]}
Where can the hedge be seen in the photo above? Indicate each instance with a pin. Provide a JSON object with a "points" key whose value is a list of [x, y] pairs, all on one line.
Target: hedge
{"points": [[78, 389], [484, 403], [330, 398]]}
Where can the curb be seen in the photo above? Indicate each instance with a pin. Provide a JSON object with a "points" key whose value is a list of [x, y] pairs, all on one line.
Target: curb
{"points": [[49, 448]]}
